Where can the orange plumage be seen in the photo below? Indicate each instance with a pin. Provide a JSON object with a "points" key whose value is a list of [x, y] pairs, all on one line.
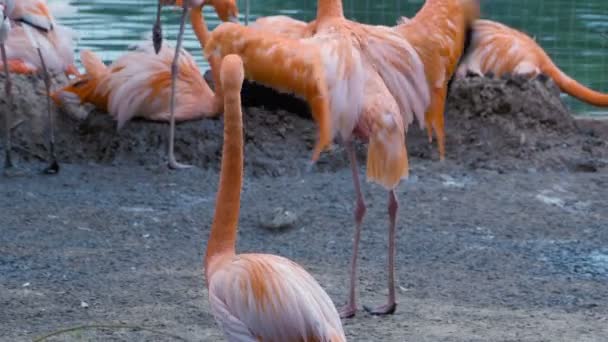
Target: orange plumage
{"points": [[499, 49], [437, 32]]}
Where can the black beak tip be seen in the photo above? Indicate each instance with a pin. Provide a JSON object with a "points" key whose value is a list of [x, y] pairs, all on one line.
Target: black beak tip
{"points": [[157, 39]]}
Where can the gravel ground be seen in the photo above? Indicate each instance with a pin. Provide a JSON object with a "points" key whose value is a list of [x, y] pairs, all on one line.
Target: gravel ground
{"points": [[504, 241]]}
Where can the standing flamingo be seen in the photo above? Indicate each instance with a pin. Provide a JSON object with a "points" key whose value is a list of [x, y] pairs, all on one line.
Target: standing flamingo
{"points": [[230, 12], [138, 83], [257, 297], [27, 48], [375, 82], [438, 33], [499, 49]]}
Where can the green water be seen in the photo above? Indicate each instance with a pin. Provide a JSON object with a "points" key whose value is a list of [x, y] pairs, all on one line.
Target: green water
{"points": [[570, 30]]}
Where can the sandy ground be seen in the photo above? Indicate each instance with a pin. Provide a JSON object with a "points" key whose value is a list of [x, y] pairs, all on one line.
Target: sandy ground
{"points": [[504, 241]]}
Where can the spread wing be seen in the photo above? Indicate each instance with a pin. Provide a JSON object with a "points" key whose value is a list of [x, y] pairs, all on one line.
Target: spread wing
{"points": [[259, 297], [400, 67]]}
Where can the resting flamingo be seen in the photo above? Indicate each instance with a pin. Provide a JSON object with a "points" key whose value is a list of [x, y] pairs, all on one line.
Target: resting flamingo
{"points": [[138, 84], [375, 84], [256, 297], [498, 49], [227, 11]]}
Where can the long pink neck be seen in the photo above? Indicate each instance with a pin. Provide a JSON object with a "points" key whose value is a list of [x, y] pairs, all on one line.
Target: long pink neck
{"points": [[222, 239], [328, 9], [215, 103]]}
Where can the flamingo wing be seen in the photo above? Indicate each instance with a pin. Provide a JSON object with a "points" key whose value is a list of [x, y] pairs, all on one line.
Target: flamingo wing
{"points": [[139, 83], [260, 297], [399, 66]]}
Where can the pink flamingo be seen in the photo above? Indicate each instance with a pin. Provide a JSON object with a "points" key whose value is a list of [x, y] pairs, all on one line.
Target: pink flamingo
{"points": [[36, 44], [227, 10], [138, 84], [257, 297], [375, 83]]}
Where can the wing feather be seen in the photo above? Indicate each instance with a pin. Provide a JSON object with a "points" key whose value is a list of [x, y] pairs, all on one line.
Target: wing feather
{"points": [[270, 298], [401, 69]]}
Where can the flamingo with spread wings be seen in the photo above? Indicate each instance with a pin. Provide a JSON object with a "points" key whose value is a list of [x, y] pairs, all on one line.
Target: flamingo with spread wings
{"points": [[257, 297], [499, 49], [360, 81]]}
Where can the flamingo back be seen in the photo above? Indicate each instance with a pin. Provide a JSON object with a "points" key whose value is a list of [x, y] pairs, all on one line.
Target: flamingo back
{"points": [[500, 49], [284, 26], [139, 84], [261, 297], [284, 64]]}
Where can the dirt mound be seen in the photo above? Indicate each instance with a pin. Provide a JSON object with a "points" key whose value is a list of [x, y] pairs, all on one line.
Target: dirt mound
{"points": [[514, 123], [493, 124]]}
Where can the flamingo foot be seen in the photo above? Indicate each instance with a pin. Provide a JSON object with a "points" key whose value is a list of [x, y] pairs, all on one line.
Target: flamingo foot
{"points": [[347, 311], [387, 309], [175, 165], [52, 169]]}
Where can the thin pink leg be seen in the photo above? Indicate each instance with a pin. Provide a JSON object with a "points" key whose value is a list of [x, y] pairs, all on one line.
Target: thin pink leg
{"points": [[173, 164], [391, 305], [350, 308]]}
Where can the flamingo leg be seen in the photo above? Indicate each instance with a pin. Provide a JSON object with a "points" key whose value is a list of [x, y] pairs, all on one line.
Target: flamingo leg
{"points": [[53, 167], [8, 85], [435, 119], [350, 308], [173, 164], [391, 305], [157, 31]]}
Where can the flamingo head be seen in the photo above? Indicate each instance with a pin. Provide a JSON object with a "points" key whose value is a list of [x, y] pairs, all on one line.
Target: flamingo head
{"points": [[225, 9]]}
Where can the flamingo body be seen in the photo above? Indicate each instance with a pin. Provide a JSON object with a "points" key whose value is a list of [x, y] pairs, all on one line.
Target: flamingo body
{"points": [[257, 297], [262, 297], [137, 84], [499, 49], [55, 41], [438, 33]]}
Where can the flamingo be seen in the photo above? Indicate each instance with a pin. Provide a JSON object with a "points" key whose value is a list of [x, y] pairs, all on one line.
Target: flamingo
{"points": [[498, 49], [35, 30], [256, 297], [227, 10], [438, 33], [138, 84], [34, 41], [375, 84]]}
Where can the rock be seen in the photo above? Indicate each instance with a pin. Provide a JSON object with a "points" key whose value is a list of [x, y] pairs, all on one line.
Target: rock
{"points": [[278, 219]]}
